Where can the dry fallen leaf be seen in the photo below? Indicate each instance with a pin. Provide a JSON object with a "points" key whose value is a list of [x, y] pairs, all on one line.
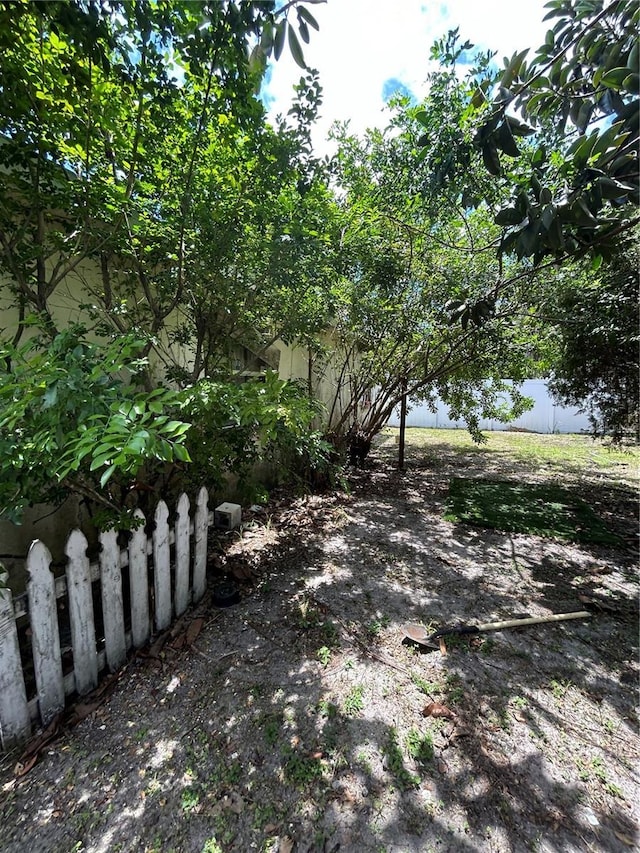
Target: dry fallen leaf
{"points": [[286, 845], [437, 709], [23, 767], [193, 630], [443, 646]]}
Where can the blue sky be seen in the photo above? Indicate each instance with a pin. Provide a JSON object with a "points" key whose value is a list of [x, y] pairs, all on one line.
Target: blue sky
{"points": [[368, 49]]}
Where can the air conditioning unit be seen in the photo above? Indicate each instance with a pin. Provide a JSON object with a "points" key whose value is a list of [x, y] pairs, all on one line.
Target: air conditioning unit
{"points": [[227, 515]]}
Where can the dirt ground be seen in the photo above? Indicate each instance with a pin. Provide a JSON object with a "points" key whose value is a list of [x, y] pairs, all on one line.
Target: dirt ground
{"points": [[299, 721]]}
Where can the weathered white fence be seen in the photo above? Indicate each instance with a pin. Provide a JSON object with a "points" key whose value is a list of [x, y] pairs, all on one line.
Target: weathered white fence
{"points": [[546, 416], [158, 591]]}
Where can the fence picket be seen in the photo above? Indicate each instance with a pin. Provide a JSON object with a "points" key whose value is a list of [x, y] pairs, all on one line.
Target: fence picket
{"points": [[112, 605], [39, 605], [83, 633], [45, 636], [182, 555], [139, 584], [200, 527], [162, 567], [15, 723]]}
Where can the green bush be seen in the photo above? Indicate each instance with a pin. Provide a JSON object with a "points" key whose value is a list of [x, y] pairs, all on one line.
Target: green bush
{"points": [[75, 420], [236, 427]]}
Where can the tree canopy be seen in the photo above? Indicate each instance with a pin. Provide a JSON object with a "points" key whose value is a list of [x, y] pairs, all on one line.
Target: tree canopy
{"points": [[154, 222], [561, 129]]}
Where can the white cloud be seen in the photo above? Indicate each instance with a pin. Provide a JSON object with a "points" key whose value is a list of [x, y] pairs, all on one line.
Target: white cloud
{"points": [[363, 43]]}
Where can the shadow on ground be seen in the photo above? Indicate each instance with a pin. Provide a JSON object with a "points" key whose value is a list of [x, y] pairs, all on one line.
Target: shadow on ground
{"points": [[296, 721]]}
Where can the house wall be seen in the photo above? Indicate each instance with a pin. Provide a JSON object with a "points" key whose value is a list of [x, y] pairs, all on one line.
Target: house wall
{"points": [[330, 384], [545, 416]]}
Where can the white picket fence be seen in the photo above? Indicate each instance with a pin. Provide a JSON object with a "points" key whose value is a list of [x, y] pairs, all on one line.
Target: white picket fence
{"points": [[157, 591]]}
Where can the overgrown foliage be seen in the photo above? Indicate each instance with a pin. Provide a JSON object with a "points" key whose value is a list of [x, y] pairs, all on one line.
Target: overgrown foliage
{"points": [[425, 304], [144, 192], [260, 423], [576, 187], [599, 361], [75, 421]]}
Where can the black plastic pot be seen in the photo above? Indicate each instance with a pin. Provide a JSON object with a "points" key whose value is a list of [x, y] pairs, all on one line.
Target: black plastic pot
{"points": [[225, 594]]}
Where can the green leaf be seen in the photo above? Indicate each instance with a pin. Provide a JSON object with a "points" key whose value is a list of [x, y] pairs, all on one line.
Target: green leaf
{"points": [[296, 49], [615, 78], [505, 141], [176, 428], [513, 68], [490, 157], [106, 476], [303, 29], [508, 216], [581, 213], [519, 128], [479, 98], [308, 17], [181, 453], [612, 137], [611, 188], [99, 461], [278, 42], [548, 216]]}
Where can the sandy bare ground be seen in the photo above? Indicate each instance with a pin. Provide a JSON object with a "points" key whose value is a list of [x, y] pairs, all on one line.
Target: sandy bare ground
{"points": [[299, 720]]}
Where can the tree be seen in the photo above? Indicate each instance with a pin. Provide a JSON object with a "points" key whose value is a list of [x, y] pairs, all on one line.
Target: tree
{"points": [[102, 130], [422, 305], [598, 365], [107, 135], [574, 184]]}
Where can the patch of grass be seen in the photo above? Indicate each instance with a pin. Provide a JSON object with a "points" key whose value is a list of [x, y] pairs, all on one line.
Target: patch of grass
{"points": [[354, 701], [190, 799], [327, 709], [271, 725], [559, 688], [324, 655], [454, 689], [538, 509], [419, 746], [364, 761], [426, 687], [301, 770], [376, 626], [562, 452], [395, 762], [263, 815], [487, 645]]}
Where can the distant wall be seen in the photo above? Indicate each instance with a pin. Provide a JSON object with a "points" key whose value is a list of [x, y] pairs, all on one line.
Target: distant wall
{"points": [[544, 417]]}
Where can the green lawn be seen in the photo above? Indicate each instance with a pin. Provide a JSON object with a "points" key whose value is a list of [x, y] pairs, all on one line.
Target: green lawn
{"points": [[543, 509], [572, 453]]}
